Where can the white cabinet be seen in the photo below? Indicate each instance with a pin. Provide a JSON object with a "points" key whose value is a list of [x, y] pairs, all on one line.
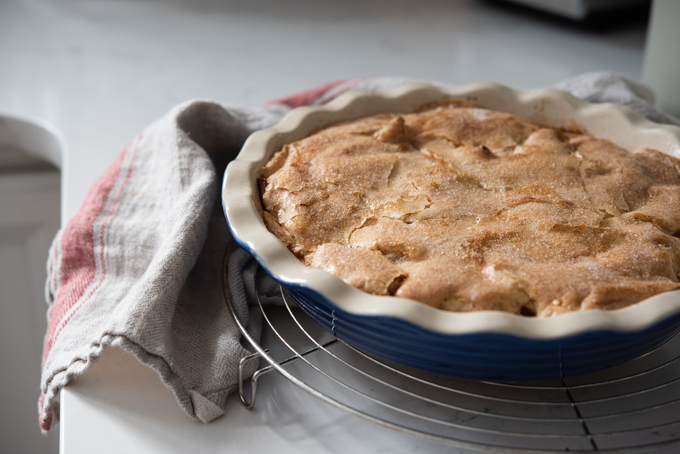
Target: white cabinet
{"points": [[29, 219]]}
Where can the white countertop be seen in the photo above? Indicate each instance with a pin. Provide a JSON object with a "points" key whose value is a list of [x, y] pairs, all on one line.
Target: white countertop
{"points": [[119, 406], [101, 70]]}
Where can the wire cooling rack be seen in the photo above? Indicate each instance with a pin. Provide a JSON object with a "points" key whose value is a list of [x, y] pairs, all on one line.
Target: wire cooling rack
{"points": [[632, 408]]}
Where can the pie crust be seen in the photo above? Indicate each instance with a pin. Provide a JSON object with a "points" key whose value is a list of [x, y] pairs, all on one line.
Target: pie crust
{"points": [[466, 209]]}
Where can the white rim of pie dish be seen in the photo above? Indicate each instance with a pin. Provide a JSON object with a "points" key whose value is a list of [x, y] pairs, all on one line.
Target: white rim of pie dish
{"points": [[242, 205]]}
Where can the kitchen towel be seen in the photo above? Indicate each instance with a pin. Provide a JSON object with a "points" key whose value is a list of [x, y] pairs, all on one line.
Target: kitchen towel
{"points": [[140, 265]]}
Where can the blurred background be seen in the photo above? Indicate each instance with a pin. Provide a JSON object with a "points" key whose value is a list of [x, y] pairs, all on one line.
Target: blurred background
{"points": [[101, 70]]}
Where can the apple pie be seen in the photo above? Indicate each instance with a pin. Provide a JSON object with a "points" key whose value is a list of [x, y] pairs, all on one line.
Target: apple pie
{"points": [[467, 209]]}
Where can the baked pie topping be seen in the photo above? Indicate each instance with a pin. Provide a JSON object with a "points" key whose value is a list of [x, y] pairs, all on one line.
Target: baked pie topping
{"points": [[464, 208]]}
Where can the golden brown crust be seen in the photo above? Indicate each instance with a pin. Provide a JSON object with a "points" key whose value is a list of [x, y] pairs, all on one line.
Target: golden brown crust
{"points": [[365, 269], [465, 209]]}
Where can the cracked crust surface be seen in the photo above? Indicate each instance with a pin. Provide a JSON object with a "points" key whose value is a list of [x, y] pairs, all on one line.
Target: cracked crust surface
{"points": [[466, 209]]}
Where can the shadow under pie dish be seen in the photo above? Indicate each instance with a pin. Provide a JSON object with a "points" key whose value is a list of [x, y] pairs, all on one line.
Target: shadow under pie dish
{"points": [[484, 343]]}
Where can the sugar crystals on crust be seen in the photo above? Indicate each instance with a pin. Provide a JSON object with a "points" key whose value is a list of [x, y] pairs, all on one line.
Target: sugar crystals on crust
{"points": [[464, 209]]}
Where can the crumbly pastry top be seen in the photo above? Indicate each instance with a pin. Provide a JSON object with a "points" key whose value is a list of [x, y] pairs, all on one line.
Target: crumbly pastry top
{"points": [[464, 209]]}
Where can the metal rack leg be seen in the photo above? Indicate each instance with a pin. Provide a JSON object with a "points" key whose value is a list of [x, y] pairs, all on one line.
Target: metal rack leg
{"points": [[258, 373], [253, 380]]}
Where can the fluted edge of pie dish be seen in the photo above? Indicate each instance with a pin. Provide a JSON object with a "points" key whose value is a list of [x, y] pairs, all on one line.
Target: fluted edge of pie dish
{"points": [[242, 208]]}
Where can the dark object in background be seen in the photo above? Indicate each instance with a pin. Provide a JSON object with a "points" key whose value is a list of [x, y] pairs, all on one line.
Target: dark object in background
{"points": [[581, 9], [581, 16]]}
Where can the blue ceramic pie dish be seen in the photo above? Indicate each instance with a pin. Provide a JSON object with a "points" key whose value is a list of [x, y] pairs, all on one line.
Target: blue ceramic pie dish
{"points": [[484, 345]]}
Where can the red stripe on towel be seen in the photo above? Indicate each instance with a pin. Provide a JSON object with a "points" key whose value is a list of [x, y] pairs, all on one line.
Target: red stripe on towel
{"points": [[77, 250], [45, 421], [78, 261], [306, 97]]}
